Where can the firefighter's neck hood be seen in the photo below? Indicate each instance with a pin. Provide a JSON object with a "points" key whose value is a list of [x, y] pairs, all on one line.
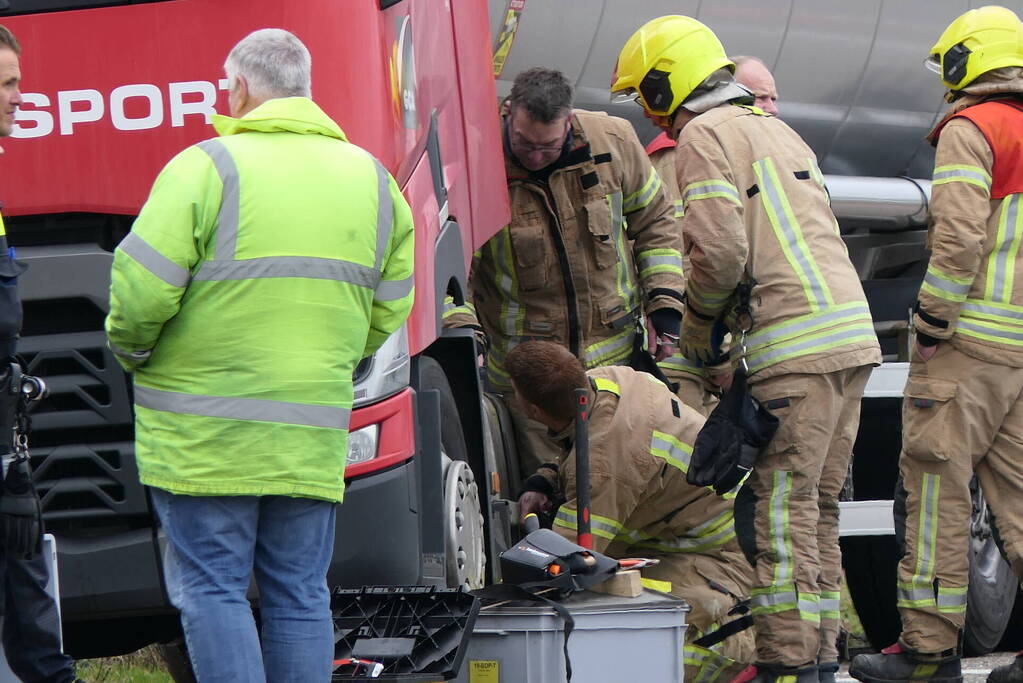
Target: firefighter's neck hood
{"points": [[726, 90], [282, 115]]}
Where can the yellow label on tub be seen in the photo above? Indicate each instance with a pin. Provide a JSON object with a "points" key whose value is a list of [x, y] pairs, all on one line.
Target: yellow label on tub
{"points": [[484, 671]]}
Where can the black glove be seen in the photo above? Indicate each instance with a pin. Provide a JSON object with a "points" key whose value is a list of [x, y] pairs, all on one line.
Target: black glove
{"points": [[21, 515], [666, 321]]}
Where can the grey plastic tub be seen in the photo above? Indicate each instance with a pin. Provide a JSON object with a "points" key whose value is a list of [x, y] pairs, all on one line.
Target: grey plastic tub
{"points": [[615, 640]]}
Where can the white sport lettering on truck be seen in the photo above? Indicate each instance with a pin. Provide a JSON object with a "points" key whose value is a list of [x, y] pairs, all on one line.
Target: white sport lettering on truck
{"points": [[70, 115], [143, 90], [136, 106]]}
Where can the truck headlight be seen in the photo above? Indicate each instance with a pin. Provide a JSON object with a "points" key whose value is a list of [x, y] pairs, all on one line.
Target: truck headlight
{"points": [[385, 373], [362, 444]]}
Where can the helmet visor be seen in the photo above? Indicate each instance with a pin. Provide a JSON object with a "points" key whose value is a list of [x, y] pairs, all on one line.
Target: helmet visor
{"points": [[626, 95], [933, 63]]}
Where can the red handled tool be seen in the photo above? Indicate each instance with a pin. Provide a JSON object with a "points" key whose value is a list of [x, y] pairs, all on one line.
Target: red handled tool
{"points": [[582, 468]]}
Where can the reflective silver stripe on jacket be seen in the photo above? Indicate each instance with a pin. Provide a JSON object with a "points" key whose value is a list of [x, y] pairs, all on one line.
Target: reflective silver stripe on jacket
{"points": [[810, 323], [136, 356], [973, 175], [954, 288], [1002, 263], [392, 290], [814, 345], [983, 308], [227, 217], [790, 235], [153, 261], [226, 267], [289, 266], [235, 408], [992, 330], [385, 213]]}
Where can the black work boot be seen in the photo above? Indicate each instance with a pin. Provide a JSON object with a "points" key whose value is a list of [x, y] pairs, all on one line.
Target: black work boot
{"points": [[895, 665], [826, 672], [767, 674], [1008, 673]]}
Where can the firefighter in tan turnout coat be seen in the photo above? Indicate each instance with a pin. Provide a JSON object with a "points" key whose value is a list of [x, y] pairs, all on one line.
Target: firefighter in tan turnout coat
{"points": [[756, 210], [641, 439], [962, 411], [591, 248], [698, 386]]}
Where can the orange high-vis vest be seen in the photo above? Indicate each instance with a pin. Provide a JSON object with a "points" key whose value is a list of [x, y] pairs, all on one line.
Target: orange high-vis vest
{"points": [[1001, 122]]}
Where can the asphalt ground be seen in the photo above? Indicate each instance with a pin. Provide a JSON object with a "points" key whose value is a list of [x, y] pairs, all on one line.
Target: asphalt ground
{"points": [[975, 669]]}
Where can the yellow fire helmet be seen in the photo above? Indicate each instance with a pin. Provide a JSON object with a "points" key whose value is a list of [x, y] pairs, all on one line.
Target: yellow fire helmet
{"points": [[978, 41], [664, 61]]}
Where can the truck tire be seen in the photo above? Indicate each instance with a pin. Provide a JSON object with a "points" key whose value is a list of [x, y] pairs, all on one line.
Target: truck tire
{"points": [[993, 586], [463, 517], [1012, 640]]}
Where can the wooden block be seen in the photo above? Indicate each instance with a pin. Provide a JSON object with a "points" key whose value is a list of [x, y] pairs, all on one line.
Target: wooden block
{"points": [[625, 584]]}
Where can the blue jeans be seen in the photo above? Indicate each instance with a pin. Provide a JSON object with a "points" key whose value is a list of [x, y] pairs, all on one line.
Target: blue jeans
{"points": [[214, 544]]}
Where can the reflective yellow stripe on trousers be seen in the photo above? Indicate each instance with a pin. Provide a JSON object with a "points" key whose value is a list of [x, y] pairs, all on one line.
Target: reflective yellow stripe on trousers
{"points": [[919, 592]]}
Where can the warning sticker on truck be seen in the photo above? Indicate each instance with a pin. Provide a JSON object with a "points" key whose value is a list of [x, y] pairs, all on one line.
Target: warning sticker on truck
{"points": [[484, 671]]}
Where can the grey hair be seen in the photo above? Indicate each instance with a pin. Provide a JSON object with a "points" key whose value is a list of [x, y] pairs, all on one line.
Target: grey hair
{"points": [[274, 62]]}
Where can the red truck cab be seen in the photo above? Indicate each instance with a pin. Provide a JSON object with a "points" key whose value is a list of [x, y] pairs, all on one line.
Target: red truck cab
{"points": [[112, 91]]}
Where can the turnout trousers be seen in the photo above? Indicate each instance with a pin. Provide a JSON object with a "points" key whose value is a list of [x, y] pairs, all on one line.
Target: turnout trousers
{"points": [[961, 416], [712, 584], [786, 514]]}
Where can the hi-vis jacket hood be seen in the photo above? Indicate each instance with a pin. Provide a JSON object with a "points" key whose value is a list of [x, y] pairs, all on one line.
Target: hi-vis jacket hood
{"points": [[282, 115], [265, 264]]}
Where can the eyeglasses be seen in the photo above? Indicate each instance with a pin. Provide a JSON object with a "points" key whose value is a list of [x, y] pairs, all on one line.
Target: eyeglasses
{"points": [[520, 143]]}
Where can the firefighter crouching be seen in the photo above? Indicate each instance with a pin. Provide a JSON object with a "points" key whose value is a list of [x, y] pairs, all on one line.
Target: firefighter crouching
{"points": [[641, 438], [592, 246], [756, 211], [962, 412]]}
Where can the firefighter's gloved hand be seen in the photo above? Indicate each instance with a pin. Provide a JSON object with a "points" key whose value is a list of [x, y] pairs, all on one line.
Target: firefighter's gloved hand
{"points": [[697, 341], [663, 339], [21, 517]]}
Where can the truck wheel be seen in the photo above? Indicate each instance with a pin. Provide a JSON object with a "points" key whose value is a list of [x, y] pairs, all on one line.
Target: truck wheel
{"points": [[1012, 640], [463, 516], [992, 590]]}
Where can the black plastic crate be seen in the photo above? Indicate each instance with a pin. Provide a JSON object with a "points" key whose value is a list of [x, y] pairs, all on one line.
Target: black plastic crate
{"points": [[415, 633]]}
